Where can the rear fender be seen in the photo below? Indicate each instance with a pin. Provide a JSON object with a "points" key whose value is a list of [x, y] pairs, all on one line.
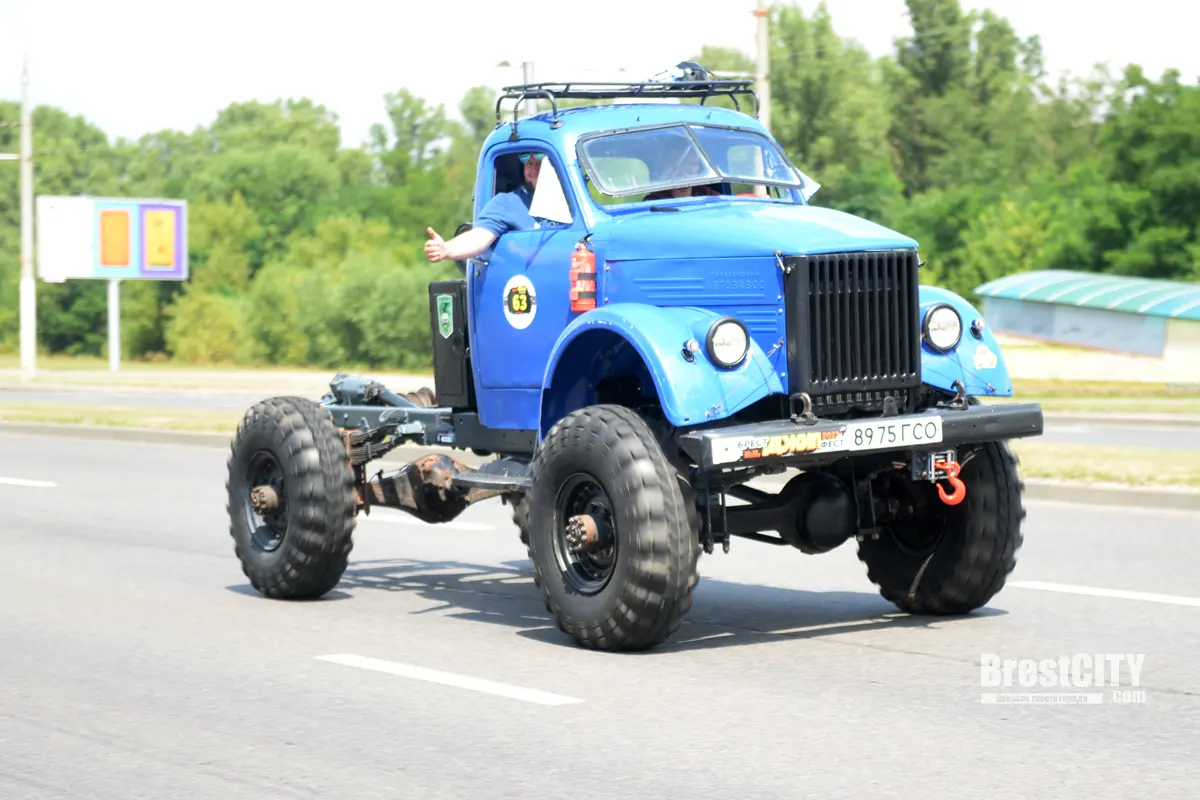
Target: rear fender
{"points": [[645, 344], [976, 360]]}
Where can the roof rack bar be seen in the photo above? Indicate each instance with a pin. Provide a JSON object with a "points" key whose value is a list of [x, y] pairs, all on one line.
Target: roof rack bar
{"points": [[616, 90], [520, 98]]}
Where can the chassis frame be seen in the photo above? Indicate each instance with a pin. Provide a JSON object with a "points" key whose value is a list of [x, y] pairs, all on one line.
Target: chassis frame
{"points": [[834, 498]]}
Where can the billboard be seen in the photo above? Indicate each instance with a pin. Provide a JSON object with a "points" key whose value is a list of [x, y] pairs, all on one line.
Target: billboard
{"points": [[111, 238]]}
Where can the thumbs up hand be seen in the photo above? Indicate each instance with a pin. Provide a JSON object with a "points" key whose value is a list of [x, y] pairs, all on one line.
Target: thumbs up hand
{"points": [[435, 248]]}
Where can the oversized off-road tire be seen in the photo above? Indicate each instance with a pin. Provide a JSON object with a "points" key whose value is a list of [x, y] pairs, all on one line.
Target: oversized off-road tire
{"points": [[950, 560], [520, 517], [298, 546], [633, 587]]}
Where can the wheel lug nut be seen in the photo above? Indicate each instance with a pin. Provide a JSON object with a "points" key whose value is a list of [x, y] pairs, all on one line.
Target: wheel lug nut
{"points": [[582, 533]]}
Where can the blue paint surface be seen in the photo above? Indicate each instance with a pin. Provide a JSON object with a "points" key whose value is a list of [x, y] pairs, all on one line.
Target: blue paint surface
{"points": [[653, 339], [663, 277], [979, 377]]}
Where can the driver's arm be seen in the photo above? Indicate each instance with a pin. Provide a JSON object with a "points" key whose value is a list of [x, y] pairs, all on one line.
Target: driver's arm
{"points": [[466, 245], [497, 217]]}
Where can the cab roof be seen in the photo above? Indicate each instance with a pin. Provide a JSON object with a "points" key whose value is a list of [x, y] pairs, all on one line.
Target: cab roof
{"points": [[572, 123]]}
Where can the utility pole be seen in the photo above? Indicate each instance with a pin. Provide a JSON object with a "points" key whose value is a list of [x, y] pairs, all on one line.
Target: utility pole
{"points": [[762, 78], [28, 287], [28, 293], [527, 78]]}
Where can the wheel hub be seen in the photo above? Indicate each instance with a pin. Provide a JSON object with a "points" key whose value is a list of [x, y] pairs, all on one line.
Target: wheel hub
{"points": [[586, 537], [266, 501], [582, 534], [918, 518], [264, 498]]}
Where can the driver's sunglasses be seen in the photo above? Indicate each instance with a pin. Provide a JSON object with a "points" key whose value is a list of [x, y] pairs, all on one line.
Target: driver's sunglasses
{"points": [[535, 156]]}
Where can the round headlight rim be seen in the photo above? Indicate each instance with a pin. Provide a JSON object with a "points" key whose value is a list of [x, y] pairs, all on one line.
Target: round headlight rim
{"points": [[712, 332], [925, 327]]}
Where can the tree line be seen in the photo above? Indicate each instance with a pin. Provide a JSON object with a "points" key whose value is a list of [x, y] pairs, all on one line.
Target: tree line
{"points": [[307, 252]]}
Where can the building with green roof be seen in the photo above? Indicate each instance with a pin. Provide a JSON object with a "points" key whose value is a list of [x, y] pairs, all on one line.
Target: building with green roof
{"points": [[1095, 310]]}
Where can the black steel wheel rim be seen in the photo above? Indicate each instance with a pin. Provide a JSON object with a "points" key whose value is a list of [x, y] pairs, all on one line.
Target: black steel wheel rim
{"points": [[267, 528], [586, 572], [920, 522]]}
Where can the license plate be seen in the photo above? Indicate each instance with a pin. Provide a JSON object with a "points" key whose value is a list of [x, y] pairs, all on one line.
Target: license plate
{"points": [[864, 435], [885, 434]]}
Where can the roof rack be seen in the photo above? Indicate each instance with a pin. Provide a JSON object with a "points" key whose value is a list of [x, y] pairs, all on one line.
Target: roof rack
{"points": [[619, 90]]}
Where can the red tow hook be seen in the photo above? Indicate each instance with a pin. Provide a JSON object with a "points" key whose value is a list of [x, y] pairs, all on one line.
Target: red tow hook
{"points": [[960, 489]]}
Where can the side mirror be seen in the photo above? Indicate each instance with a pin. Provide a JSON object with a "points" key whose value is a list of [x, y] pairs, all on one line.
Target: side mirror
{"points": [[462, 228], [809, 188], [549, 198]]}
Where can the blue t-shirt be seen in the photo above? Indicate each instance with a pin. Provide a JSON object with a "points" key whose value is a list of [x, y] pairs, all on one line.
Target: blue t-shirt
{"points": [[507, 211]]}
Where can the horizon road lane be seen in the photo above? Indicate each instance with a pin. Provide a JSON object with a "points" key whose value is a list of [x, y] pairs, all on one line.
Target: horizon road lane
{"points": [[137, 662], [1181, 435]]}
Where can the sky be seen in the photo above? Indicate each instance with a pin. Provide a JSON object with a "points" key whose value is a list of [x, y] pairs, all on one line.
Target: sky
{"points": [[136, 66]]}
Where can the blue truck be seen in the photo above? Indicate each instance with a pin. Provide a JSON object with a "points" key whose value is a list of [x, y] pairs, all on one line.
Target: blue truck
{"points": [[679, 322]]}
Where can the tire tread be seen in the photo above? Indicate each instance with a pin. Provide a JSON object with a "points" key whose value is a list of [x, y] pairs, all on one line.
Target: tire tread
{"points": [[971, 567], [659, 593], [321, 520]]}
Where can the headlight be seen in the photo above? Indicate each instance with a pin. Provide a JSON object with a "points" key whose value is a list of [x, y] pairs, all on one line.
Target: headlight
{"points": [[728, 342], [942, 327]]}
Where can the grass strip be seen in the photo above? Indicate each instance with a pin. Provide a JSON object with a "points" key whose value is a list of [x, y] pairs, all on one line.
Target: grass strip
{"points": [[161, 419], [1052, 405], [1127, 466], [1124, 391]]}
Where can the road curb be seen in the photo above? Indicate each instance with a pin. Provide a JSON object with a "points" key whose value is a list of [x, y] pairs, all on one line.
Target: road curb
{"points": [[1035, 488]]}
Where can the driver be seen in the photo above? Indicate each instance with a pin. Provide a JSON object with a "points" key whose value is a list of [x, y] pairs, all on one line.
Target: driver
{"points": [[687, 166], [507, 211]]}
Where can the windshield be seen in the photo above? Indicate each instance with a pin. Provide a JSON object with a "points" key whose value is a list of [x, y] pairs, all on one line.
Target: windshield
{"points": [[650, 159]]}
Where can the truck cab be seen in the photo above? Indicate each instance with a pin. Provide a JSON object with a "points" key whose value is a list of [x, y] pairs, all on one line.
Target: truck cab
{"points": [[671, 272], [675, 321]]}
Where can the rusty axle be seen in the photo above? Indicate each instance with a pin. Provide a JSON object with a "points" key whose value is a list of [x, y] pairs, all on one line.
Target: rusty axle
{"points": [[424, 489]]}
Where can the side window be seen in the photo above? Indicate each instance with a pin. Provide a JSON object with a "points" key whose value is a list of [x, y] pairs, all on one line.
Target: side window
{"points": [[509, 174], [516, 170]]}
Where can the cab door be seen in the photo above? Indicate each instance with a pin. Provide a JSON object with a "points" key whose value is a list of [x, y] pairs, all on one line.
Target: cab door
{"points": [[520, 304]]}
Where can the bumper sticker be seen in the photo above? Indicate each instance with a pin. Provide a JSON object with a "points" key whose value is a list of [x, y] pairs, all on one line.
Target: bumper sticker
{"points": [[725, 451]]}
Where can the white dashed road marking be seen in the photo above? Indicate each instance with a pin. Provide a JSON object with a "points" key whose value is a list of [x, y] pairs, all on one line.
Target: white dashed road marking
{"points": [[27, 483], [1117, 593], [450, 679]]}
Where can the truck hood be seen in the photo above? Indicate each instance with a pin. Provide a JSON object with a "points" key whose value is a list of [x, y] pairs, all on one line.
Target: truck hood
{"points": [[731, 228]]}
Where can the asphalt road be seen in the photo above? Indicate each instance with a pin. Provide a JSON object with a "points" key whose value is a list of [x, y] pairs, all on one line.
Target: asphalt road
{"points": [[136, 661]]}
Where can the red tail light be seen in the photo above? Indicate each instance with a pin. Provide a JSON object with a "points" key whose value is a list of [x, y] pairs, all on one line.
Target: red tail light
{"points": [[583, 279]]}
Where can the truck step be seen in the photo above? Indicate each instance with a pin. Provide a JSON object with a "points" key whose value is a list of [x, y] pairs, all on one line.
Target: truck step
{"points": [[501, 474]]}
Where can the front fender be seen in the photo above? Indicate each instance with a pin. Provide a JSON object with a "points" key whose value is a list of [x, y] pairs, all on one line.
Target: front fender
{"points": [[976, 361], [689, 392]]}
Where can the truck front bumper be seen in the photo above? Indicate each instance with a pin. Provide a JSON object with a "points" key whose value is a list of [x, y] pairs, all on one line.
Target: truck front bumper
{"points": [[801, 445]]}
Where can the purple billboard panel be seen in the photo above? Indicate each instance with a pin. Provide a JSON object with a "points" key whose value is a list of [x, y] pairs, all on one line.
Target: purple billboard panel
{"points": [[163, 240]]}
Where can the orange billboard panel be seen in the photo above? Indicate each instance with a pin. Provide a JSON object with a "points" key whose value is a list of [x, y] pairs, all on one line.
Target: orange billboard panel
{"points": [[115, 238]]}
